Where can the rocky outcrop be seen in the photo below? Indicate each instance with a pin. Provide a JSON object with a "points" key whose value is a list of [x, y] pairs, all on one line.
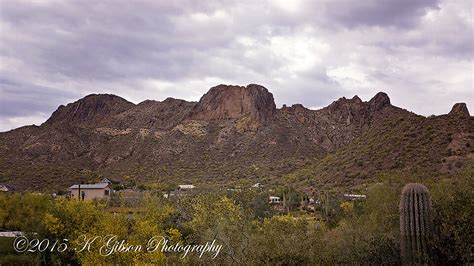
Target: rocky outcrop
{"points": [[232, 132], [379, 101], [460, 109], [90, 108], [154, 114], [234, 102], [343, 104], [349, 110]]}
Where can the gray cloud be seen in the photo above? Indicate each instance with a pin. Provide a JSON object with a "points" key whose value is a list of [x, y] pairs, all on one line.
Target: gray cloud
{"points": [[53, 52], [19, 99], [402, 13]]}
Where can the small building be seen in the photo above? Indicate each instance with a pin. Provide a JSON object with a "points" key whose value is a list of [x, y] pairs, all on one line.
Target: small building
{"points": [[91, 191], [11, 233], [106, 180], [170, 194], [5, 188], [257, 185], [354, 196], [274, 200], [185, 187], [234, 190]]}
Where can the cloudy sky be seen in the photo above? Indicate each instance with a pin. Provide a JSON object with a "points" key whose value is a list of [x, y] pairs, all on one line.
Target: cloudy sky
{"points": [[312, 52]]}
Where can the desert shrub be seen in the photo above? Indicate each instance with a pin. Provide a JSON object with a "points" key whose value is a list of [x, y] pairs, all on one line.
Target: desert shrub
{"points": [[284, 240], [360, 232], [453, 213]]}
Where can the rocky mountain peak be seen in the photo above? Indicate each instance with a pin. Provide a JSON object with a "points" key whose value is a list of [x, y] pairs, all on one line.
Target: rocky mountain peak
{"points": [[90, 107], [173, 100], [459, 109], [112, 136], [379, 101], [345, 104], [356, 99], [233, 102]]}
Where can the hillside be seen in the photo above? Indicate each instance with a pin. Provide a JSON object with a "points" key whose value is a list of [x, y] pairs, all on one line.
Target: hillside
{"points": [[232, 134], [407, 144]]}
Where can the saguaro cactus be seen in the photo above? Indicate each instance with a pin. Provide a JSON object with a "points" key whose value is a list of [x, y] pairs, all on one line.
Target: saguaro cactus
{"points": [[415, 223]]}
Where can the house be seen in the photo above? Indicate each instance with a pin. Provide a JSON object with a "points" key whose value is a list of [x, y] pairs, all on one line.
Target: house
{"points": [[257, 185], [274, 200], [5, 188], [185, 187], [106, 180], [91, 191], [354, 196], [167, 195], [234, 190], [11, 234]]}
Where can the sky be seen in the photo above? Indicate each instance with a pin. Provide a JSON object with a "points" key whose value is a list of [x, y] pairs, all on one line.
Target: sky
{"points": [[420, 52]]}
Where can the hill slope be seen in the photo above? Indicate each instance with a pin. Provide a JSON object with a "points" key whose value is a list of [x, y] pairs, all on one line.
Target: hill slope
{"points": [[233, 133]]}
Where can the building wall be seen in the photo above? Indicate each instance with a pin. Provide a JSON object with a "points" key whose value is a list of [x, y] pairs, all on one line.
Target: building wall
{"points": [[91, 193]]}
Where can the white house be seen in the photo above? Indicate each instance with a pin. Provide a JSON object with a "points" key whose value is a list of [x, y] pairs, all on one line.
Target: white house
{"points": [[274, 200], [91, 191], [11, 234], [184, 187], [355, 196]]}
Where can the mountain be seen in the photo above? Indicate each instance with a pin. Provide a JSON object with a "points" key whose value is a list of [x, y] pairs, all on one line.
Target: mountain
{"points": [[233, 134]]}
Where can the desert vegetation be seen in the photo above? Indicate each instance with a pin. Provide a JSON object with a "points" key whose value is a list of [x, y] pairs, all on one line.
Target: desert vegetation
{"points": [[250, 230]]}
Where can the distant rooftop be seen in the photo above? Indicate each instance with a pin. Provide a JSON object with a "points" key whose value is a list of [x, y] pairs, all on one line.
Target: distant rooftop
{"points": [[5, 187], [186, 186], [85, 186], [106, 180], [11, 234]]}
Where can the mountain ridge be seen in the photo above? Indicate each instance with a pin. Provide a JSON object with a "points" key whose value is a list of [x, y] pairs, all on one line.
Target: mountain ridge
{"points": [[234, 133]]}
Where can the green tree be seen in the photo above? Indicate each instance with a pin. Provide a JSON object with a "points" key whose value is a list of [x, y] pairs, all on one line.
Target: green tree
{"points": [[220, 218], [285, 240], [453, 215]]}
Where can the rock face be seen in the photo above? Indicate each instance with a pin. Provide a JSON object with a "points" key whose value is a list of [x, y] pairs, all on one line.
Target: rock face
{"points": [[234, 102], [379, 101], [90, 108], [460, 109], [233, 132], [355, 111]]}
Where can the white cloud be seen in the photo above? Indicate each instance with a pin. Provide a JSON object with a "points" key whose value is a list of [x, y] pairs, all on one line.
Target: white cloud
{"points": [[14, 122], [301, 53]]}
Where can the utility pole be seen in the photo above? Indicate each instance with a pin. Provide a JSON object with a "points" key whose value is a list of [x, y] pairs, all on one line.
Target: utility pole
{"points": [[327, 203]]}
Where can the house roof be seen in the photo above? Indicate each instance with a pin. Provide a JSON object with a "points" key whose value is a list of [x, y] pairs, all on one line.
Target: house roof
{"points": [[106, 180], [358, 196], [89, 186], [5, 187], [11, 234], [186, 186]]}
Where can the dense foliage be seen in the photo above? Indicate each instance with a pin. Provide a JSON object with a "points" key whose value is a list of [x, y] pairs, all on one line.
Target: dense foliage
{"points": [[251, 232]]}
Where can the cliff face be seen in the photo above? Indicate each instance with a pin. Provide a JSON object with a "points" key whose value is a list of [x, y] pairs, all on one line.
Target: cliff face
{"points": [[460, 109], [234, 102], [90, 109], [232, 133], [379, 101]]}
